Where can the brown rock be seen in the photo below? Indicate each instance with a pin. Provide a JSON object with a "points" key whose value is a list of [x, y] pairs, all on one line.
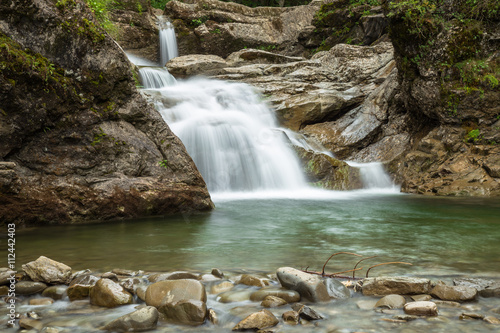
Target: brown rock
{"points": [[492, 320], [41, 301], [109, 294], [173, 291], [454, 293], [391, 302], [143, 319], [29, 324], [55, 292], [309, 286], [306, 312], [29, 287], [291, 317], [221, 287], [422, 308], [273, 302], [250, 280], [181, 275], [48, 271], [256, 321], [395, 285], [187, 312], [80, 287], [290, 296]]}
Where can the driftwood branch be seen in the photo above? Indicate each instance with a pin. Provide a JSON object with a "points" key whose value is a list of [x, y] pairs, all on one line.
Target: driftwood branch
{"points": [[326, 262], [354, 269]]}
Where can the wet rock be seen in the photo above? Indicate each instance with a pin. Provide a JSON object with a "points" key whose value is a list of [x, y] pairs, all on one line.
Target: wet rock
{"points": [[5, 276], [141, 320], [234, 296], [405, 317], [336, 289], [291, 317], [454, 293], [418, 298], [217, 272], [290, 296], [309, 286], [55, 292], [110, 275], [80, 287], [273, 302], [208, 277], [447, 304], [130, 284], [212, 317], [251, 280], [422, 308], [172, 291], [141, 292], [181, 275], [41, 301], [395, 285], [29, 324], [366, 304], [29, 287], [485, 287], [48, 271], [196, 64], [186, 312], [221, 287], [4, 290], [124, 272], [471, 315], [391, 302], [257, 321], [109, 294], [492, 320], [306, 312]]}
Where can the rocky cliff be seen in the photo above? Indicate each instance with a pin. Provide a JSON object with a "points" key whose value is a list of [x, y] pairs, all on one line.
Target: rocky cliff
{"points": [[77, 140]]}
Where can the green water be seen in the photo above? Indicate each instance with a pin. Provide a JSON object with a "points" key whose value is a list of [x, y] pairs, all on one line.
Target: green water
{"points": [[439, 236]]}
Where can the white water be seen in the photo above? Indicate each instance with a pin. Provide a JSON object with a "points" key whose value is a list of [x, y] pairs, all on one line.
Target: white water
{"points": [[373, 175], [155, 77], [168, 42]]}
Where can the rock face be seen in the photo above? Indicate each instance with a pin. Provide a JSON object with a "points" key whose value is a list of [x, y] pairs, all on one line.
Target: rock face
{"points": [[220, 28], [47, 270], [141, 320], [83, 144], [109, 294], [309, 286], [396, 285]]}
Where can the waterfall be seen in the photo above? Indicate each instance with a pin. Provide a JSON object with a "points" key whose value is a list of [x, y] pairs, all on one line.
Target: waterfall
{"points": [[151, 77], [373, 175], [168, 43]]}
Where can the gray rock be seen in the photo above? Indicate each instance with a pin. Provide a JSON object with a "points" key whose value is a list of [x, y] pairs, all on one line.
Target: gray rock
{"points": [[306, 312], [485, 287], [336, 289], [109, 294], [173, 291], [309, 286], [196, 64], [187, 312], [110, 275], [290, 296], [273, 302], [422, 308], [257, 321], [454, 293], [48, 271], [395, 285], [291, 317], [141, 292], [141, 320], [124, 272], [29, 287], [217, 272], [391, 302], [55, 292]]}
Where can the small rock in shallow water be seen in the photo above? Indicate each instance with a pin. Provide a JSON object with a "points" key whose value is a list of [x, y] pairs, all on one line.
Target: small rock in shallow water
{"points": [[111, 276], [41, 301], [109, 294], [29, 324], [217, 272], [395, 285], [141, 292], [291, 296], [336, 289], [257, 321], [212, 316], [447, 304], [422, 308], [55, 292], [47, 270], [454, 293], [423, 297], [471, 315], [251, 280], [291, 317], [79, 287], [141, 320], [391, 302], [309, 286], [29, 287], [124, 272], [306, 312], [234, 296], [492, 320], [273, 302], [221, 287], [180, 275], [187, 312], [172, 291]]}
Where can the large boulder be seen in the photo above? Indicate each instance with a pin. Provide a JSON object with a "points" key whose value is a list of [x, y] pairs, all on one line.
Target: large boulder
{"points": [[141, 320], [109, 294], [173, 291], [396, 285], [48, 271], [86, 144], [310, 287]]}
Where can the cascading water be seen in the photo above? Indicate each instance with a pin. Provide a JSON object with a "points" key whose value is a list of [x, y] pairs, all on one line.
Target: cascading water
{"points": [[168, 42], [373, 175], [151, 77]]}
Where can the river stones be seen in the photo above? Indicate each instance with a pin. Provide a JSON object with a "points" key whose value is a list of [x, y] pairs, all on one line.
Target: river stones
{"points": [[141, 320], [79, 287], [47, 270], [55, 292], [336, 289], [422, 308], [234, 296], [6, 276], [212, 316], [291, 317], [492, 320], [391, 302], [306, 312], [290, 296], [180, 275], [257, 321], [172, 291], [41, 301], [217, 273], [253, 281], [454, 293], [29, 287], [309, 286], [29, 324], [395, 285], [273, 302], [485, 287], [187, 312], [109, 294], [221, 287]]}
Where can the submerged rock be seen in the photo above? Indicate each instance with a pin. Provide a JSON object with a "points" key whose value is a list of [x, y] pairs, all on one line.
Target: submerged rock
{"points": [[309, 286], [306, 312], [291, 317], [273, 302], [48, 271], [173, 291], [55, 292], [396, 285], [391, 302], [251, 280], [454, 293], [109, 294], [289, 296], [257, 321], [141, 320]]}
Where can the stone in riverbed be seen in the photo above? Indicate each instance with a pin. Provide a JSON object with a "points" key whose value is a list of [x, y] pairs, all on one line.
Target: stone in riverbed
{"points": [[217, 272], [221, 287], [485, 287], [391, 302], [309, 286], [5, 276], [141, 320], [290, 296], [79, 287], [109, 294], [29, 324], [454, 293], [41, 301], [187, 312], [251, 280], [422, 308], [234, 296], [181, 275], [212, 316], [55, 292], [306, 312], [29, 287], [396, 285], [124, 272], [172, 291], [492, 320], [423, 297], [257, 321], [336, 289], [291, 317], [141, 292], [47, 270], [273, 302]]}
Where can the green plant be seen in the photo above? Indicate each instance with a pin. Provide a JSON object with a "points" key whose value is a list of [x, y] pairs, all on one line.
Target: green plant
{"points": [[473, 135], [163, 163], [160, 4]]}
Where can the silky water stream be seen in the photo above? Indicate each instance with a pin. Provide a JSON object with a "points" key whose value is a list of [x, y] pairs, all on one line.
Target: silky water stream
{"points": [[267, 216]]}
